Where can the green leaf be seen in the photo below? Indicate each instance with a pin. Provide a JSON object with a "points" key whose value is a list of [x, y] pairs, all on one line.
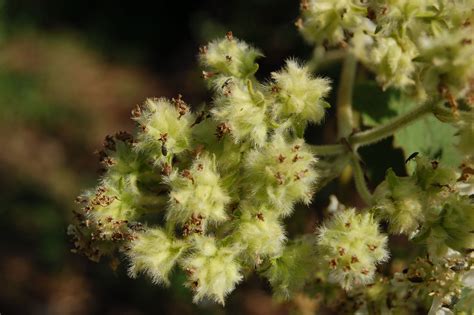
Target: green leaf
{"points": [[428, 136], [374, 104]]}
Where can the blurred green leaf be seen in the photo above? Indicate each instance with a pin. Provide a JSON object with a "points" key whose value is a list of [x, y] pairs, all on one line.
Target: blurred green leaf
{"points": [[428, 136], [374, 104]]}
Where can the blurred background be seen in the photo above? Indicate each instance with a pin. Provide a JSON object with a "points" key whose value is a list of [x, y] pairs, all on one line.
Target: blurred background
{"points": [[70, 72]]}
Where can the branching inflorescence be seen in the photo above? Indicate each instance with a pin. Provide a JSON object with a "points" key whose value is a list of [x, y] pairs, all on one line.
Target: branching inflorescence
{"points": [[207, 191]]}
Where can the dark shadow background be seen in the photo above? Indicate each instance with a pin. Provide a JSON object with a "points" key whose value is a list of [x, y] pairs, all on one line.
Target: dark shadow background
{"points": [[70, 72]]}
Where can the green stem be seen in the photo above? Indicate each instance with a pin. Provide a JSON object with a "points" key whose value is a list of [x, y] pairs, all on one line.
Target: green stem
{"points": [[359, 179], [322, 59], [345, 119], [381, 132], [448, 115]]}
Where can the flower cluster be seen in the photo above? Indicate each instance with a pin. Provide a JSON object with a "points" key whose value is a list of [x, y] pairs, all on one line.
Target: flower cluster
{"points": [[428, 207], [220, 180], [208, 192], [445, 282], [422, 45]]}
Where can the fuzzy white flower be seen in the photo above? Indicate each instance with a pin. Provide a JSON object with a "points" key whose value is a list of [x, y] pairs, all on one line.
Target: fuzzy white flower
{"points": [[230, 57], [197, 191], [212, 269], [241, 112], [166, 128], [281, 173], [260, 231], [300, 95], [154, 253], [352, 246], [330, 20]]}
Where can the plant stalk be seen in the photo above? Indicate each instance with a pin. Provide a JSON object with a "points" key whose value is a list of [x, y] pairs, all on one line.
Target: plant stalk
{"points": [[381, 132], [359, 179]]}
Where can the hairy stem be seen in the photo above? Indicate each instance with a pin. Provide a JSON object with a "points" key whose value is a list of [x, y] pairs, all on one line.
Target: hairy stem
{"points": [[345, 119], [448, 115], [359, 179], [322, 58], [381, 132]]}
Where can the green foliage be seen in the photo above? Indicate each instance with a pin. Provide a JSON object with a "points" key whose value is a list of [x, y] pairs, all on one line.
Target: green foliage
{"points": [[428, 136]]}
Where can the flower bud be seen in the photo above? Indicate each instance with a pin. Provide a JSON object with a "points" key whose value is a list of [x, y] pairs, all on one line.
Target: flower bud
{"points": [[432, 177], [450, 226], [351, 246], [197, 192], [400, 202], [299, 95], [441, 281], [391, 62], [166, 128], [260, 231], [292, 269], [154, 253], [281, 173], [447, 62], [212, 270], [241, 112], [230, 57], [329, 21]]}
